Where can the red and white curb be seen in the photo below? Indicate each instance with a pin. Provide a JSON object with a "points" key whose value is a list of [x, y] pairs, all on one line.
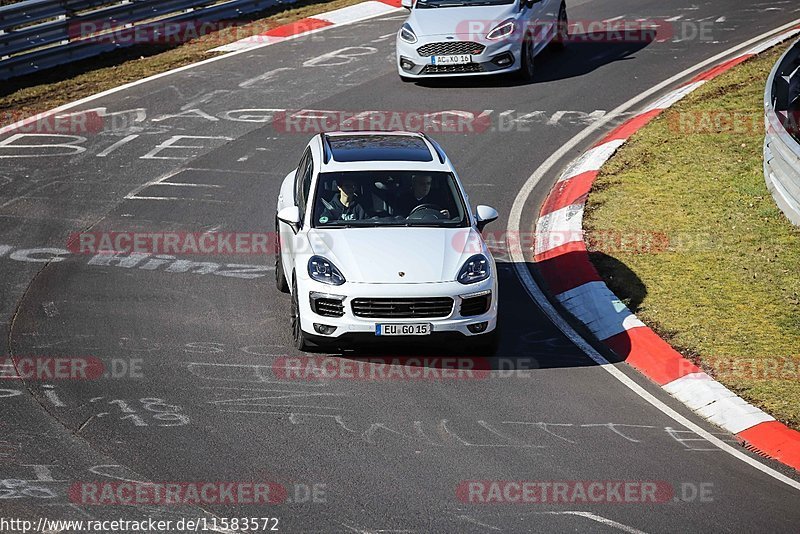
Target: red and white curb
{"points": [[563, 262], [307, 26]]}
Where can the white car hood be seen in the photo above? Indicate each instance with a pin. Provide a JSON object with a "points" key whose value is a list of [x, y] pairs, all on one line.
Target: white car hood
{"points": [[456, 21], [378, 255]]}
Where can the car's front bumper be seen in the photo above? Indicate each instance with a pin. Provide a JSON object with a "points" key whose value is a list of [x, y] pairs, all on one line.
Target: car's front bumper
{"points": [[350, 326], [490, 61]]}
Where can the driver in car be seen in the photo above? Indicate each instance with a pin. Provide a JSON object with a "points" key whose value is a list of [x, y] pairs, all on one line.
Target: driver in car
{"points": [[419, 194], [344, 206]]}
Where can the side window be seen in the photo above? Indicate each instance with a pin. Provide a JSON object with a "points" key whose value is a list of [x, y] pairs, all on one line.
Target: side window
{"points": [[303, 182], [298, 177]]}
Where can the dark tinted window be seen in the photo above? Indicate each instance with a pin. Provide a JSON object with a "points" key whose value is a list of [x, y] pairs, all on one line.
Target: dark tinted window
{"points": [[388, 198], [379, 148]]}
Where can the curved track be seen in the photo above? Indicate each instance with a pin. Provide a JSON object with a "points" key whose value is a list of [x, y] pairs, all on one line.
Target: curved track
{"points": [[389, 455]]}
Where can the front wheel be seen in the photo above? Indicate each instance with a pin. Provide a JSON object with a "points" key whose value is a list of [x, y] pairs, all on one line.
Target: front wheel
{"points": [[527, 60], [298, 336], [280, 277]]}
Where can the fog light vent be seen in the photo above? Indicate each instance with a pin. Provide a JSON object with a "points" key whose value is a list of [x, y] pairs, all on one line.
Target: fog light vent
{"points": [[476, 328], [324, 329]]}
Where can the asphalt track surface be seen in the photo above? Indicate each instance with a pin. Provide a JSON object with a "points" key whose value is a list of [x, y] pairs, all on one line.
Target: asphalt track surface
{"points": [[389, 455]]}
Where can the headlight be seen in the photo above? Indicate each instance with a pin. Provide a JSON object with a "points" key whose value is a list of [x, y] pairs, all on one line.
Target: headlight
{"points": [[476, 269], [407, 34], [502, 31], [324, 271]]}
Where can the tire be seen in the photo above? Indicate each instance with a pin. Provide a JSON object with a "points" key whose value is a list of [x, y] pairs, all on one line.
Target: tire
{"points": [[298, 336], [526, 68], [562, 32], [280, 277]]}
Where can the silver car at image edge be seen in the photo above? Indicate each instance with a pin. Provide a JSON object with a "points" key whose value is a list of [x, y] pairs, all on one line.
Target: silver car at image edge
{"points": [[477, 37]]}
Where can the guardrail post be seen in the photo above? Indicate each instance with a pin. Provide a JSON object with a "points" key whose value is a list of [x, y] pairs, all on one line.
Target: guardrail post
{"points": [[3, 32]]}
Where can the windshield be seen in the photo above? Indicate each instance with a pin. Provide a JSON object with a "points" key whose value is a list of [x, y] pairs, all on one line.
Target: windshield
{"points": [[423, 4], [388, 198]]}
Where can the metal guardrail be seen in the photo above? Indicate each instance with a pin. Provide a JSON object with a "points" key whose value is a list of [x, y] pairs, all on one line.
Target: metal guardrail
{"points": [[39, 34], [782, 140]]}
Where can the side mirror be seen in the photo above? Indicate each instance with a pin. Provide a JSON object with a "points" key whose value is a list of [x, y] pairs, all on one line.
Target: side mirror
{"points": [[485, 215], [408, 4], [290, 216]]}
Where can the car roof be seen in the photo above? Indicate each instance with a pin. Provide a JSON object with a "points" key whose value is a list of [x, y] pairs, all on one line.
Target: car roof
{"points": [[374, 149]]}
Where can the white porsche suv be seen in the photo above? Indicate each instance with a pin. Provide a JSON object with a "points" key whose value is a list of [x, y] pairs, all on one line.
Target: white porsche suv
{"points": [[377, 243]]}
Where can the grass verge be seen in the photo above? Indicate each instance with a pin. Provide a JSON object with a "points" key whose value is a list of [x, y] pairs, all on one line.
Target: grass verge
{"points": [[724, 289], [29, 95]]}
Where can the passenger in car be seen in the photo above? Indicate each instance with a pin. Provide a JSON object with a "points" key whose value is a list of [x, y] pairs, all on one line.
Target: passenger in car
{"points": [[344, 206]]}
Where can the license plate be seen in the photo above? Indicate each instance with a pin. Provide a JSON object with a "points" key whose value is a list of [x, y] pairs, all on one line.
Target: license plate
{"points": [[419, 329], [459, 59]]}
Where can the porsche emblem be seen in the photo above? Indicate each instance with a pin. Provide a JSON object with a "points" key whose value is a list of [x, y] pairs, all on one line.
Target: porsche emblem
{"points": [[402, 274]]}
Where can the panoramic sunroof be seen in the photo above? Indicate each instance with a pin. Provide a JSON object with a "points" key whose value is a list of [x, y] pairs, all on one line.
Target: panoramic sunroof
{"points": [[379, 148]]}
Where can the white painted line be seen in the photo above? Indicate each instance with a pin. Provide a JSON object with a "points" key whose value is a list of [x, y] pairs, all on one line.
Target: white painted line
{"points": [[253, 41], [535, 292], [601, 519], [772, 42], [213, 186]]}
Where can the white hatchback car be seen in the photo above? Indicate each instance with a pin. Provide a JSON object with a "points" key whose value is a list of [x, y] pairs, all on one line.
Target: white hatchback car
{"points": [[377, 243], [477, 37]]}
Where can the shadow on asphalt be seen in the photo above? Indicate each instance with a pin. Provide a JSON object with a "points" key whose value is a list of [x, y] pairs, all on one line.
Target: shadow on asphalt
{"points": [[584, 53], [528, 340]]}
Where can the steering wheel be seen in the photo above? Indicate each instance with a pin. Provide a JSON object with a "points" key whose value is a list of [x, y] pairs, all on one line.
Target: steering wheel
{"points": [[432, 209]]}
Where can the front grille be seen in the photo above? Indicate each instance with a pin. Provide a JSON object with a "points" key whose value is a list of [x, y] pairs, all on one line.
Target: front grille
{"points": [[475, 305], [402, 308], [452, 69], [451, 48], [327, 307]]}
